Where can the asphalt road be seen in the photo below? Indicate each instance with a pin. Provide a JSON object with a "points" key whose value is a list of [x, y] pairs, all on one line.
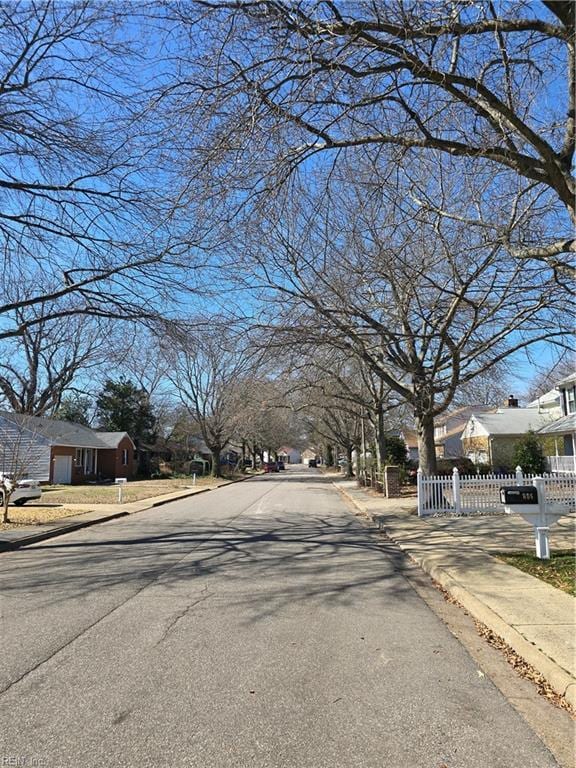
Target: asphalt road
{"points": [[260, 624]]}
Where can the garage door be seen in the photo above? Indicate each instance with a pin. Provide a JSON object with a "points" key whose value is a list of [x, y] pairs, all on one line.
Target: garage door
{"points": [[62, 470]]}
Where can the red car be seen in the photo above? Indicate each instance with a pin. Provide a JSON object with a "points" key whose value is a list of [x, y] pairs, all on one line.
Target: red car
{"points": [[270, 466]]}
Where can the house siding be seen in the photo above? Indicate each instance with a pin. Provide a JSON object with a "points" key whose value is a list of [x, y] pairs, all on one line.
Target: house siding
{"points": [[497, 450], [21, 447]]}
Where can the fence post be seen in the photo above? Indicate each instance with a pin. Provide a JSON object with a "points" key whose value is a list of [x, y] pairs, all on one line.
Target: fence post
{"points": [[456, 490], [420, 493], [519, 476]]}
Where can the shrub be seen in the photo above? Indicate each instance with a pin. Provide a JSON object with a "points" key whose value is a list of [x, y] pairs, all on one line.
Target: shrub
{"points": [[157, 476], [529, 455], [396, 452], [464, 465]]}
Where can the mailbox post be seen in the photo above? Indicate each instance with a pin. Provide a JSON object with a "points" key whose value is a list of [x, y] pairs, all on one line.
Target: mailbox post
{"points": [[529, 501], [120, 482]]}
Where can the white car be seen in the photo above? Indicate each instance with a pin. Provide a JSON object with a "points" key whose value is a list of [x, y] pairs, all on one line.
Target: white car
{"points": [[26, 490]]}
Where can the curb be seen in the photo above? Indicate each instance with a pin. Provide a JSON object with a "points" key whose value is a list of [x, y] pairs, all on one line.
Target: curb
{"points": [[10, 546], [562, 682], [559, 679], [34, 538]]}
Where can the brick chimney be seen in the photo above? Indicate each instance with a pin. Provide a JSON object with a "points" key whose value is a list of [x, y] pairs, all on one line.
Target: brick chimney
{"points": [[512, 402]]}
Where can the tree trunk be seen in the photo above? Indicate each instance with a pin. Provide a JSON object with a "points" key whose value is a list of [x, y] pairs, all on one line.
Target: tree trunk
{"points": [[5, 498], [216, 472], [426, 447], [381, 439], [349, 470], [329, 455]]}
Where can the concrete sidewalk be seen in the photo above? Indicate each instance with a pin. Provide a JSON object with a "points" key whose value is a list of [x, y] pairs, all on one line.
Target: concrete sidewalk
{"points": [[14, 538], [537, 620]]}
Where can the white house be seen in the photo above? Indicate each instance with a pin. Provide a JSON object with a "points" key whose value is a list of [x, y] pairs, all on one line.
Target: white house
{"points": [[549, 402], [289, 455], [449, 427], [563, 429]]}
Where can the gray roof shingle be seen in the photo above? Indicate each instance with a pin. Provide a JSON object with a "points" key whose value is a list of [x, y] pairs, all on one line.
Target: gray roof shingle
{"points": [[65, 433], [563, 425], [513, 421]]}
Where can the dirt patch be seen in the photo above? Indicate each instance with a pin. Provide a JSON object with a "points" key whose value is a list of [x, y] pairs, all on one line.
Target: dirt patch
{"points": [[58, 500], [135, 490], [35, 515]]}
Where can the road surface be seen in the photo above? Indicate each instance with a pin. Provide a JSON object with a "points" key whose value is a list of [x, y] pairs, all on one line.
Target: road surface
{"points": [[260, 624]]}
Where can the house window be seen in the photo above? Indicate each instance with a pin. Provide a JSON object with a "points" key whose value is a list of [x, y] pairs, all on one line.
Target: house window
{"points": [[86, 460], [124, 457], [571, 400]]}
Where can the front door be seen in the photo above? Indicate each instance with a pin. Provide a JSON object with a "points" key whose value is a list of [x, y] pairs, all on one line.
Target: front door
{"points": [[62, 470]]}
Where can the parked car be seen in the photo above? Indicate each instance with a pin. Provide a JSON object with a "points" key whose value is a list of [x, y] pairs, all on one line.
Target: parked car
{"points": [[312, 463], [26, 490], [280, 465], [270, 466]]}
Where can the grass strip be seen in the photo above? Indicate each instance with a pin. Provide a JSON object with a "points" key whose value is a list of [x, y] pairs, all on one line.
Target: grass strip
{"points": [[559, 570]]}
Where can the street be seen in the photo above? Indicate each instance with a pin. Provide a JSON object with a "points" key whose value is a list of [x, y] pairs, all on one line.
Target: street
{"points": [[260, 624]]}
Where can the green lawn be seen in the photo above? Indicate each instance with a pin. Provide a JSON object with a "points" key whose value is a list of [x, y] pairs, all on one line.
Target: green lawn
{"points": [[559, 571]]}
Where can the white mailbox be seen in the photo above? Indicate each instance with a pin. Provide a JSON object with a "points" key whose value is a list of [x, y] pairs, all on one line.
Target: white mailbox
{"points": [[529, 501]]}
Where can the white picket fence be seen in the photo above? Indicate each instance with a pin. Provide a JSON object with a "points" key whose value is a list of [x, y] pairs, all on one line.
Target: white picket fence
{"points": [[472, 494]]}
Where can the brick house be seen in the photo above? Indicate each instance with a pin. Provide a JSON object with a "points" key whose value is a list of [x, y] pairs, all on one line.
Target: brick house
{"points": [[56, 451]]}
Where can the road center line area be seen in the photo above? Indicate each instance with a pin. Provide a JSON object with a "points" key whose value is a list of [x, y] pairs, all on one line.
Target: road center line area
{"points": [[260, 624]]}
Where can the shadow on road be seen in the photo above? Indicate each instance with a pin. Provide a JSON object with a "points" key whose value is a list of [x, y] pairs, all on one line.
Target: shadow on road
{"points": [[263, 564]]}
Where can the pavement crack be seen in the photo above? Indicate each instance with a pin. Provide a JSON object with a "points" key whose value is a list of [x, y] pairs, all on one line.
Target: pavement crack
{"points": [[175, 618], [116, 608], [121, 717]]}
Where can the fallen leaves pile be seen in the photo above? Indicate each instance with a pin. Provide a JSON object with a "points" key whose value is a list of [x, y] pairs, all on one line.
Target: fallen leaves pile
{"points": [[516, 661]]}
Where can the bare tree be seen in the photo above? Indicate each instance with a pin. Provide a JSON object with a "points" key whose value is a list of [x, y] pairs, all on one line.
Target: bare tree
{"points": [[268, 418], [86, 224], [342, 393], [337, 423], [19, 456], [548, 377], [206, 364], [492, 387], [477, 87], [38, 367], [426, 304]]}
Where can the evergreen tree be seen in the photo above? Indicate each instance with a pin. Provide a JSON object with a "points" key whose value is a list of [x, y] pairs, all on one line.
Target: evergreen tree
{"points": [[75, 410], [122, 407], [396, 451], [529, 455]]}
